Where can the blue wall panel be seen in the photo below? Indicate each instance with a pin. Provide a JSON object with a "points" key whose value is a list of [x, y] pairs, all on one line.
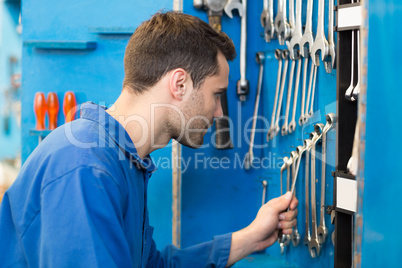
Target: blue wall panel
{"points": [[381, 177]]}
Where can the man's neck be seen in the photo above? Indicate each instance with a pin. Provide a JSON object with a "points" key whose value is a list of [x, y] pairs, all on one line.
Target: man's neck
{"points": [[143, 120]]}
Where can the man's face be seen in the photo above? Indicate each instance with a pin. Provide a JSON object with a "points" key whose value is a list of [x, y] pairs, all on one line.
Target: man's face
{"points": [[204, 104]]}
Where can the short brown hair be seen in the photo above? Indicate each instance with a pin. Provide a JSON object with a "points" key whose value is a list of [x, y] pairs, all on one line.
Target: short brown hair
{"points": [[173, 40]]}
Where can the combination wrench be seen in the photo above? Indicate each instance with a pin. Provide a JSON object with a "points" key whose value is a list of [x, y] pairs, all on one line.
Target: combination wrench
{"points": [[286, 239], [292, 124], [285, 57], [281, 25], [294, 43], [307, 234], [267, 20], [320, 42], [284, 130], [330, 62], [278, 56], [356, 90], [322, 230], [311, 112], [295, 237], [313, 70], [314, 246], [260, 58], [282, 237], [243, 84], [305, 67]]}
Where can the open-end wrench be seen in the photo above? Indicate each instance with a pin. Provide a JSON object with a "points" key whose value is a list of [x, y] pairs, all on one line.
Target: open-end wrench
{"points": [[294, 43], [267, 20], [231, 5], [305, 67], [311, 112], [285, 57], [320, 42], [284, 130], [330, 62], [260, 58], [322, 230], [286, 239], [264, 191], [356, 90], [307, 39], [291, 17], [243, 84], [278, 56], [310, 86], [314, 246], [307, 234], [281, 25], [292, 124]]}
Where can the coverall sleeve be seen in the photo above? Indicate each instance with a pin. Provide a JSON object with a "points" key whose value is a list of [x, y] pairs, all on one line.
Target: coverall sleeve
{"points": [[214, 253], [81, 221]]}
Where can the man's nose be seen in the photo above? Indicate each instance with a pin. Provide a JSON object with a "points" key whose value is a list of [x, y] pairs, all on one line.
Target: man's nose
{"points": [[218, 110]]}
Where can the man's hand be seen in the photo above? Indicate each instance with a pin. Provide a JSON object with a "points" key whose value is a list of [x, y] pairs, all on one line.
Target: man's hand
{"points": [[263, 231]]}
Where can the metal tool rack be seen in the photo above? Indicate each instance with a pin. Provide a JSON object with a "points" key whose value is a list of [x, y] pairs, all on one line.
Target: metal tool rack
{"points": [[80, 46]]}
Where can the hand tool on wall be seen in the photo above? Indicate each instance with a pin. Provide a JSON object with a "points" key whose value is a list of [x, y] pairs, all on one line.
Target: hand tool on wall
{"points": [[284, 130], [278, 56], [214, 10], [330, 62], [320, 43], [311, 112], [53, 109], [314, 246], [69, 106], [285, 57], [260, 58], [292, 124], [322, 230], [349, 91], [313, 70], [267, 20], [306, 43], [281, 25], [40, 109], [243, 84], [356, 90]]}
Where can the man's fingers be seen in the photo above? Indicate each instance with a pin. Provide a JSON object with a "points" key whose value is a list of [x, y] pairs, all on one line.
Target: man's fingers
{"points": [[287, 224], [294, 203], [288, 215]]}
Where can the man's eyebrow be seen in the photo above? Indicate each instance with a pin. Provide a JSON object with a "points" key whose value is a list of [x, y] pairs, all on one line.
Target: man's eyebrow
{"points": [[223, 89]]}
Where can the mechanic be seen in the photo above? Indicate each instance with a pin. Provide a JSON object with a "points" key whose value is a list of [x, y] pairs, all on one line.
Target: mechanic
{"points": [[80, 199]]}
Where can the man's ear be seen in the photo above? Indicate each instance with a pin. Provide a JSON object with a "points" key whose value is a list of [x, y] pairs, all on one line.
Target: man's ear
{"points": [[177, 83]]}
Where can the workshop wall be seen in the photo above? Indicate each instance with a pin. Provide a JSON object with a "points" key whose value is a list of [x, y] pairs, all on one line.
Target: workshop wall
{"points": [[79, 46], [10, 57]]}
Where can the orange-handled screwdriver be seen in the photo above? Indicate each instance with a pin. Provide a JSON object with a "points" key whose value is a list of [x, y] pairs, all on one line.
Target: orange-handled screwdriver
{"points": [[40, 109], [53, 109], [69, 106]]}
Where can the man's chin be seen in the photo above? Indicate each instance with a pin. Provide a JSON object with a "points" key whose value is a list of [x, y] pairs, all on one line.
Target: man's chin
{"points": [[192, 143]]}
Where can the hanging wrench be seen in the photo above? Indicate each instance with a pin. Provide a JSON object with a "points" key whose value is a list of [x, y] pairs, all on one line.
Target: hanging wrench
{"points": [[310, 86], [284, 130], [267, 20], [313, 246], [330, 62], [243, 84], [322, 230], [231, 5], [307, 39], [260, 58], [349, 90], [285, 56], [311, 113], [294, 43], [320, 42], [281, 25], [278, 56], [305, 66], [307, 235], [292, 124], [356, 90], [264, 191]]}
